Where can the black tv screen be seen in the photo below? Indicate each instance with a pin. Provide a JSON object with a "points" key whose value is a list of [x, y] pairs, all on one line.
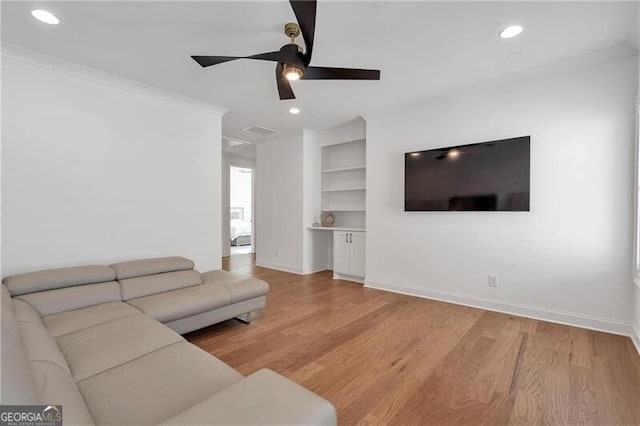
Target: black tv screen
{"points": [[487, 176]]}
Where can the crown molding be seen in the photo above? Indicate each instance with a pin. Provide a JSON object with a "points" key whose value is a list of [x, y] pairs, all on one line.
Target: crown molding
{"points": [[31, 57]]}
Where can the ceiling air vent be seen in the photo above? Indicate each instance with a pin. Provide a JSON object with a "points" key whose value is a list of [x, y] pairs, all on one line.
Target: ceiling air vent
{"points": [[262, 131]]}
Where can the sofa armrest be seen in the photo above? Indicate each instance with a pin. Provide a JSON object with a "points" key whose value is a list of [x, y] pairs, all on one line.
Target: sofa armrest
{"points": [[261, 398]]}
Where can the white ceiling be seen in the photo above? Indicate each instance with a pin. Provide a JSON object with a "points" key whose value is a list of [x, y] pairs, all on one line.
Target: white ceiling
{"points": [[421, 48]]}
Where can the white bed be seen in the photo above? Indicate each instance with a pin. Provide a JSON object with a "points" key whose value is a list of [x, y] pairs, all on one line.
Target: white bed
{"points": [[240, 232]]}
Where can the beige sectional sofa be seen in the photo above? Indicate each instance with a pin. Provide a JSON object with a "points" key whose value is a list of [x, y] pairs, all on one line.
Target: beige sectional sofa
{"points": [[104, 342]]}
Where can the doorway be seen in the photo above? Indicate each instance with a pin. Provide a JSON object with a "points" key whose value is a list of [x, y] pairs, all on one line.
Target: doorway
{"points": [[241, 211]]}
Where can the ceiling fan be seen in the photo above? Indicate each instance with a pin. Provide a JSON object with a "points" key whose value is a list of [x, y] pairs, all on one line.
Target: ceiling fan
{"points": [[293, 64]]}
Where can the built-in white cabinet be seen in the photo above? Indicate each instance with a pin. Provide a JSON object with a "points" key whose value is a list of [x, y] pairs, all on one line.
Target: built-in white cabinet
{"points": [[349, 254]]}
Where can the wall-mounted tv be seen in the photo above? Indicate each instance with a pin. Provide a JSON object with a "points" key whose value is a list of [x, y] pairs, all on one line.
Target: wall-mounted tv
{"points": [[487, 176]]}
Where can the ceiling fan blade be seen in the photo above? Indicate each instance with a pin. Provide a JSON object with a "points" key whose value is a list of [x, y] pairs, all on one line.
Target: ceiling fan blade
{"points": [[207, 61], [305, 11], [284, 88], [329, 73]]}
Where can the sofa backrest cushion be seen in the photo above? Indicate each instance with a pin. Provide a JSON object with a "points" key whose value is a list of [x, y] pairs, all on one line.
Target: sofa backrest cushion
{"points": [[158, 265], [17, 384], [52, 279], [151, 276], [158, 283], [67, 299]]}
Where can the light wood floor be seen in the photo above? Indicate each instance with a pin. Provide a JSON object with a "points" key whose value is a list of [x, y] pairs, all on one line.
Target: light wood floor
{"points": [[383, 358]]}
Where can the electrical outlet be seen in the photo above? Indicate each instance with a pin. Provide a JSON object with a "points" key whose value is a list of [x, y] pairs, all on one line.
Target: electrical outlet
{"points": [[493, 280]]}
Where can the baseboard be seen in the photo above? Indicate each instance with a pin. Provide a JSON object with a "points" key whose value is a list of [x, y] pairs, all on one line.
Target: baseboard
{"points": [[543, 314], [348, 278], [313, 271], [282, 268], [635, 338]]}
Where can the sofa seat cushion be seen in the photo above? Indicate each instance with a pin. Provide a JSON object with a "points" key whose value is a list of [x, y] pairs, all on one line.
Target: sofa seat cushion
{"points": [[177, 304], [240, 287], [263, 398], [92, 350], [70, 321], [157, 386]]}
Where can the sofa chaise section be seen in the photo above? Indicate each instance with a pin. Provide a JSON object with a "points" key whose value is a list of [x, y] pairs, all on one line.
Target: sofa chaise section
{"points": [[172, 292]]}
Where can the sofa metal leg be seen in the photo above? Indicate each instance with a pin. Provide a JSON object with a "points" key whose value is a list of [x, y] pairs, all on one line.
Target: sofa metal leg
{"points": [[244, 318]]}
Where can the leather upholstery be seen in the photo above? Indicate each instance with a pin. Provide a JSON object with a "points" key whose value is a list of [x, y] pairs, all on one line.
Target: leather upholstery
{"points": [[184, 302], [18, 386], [157, 386], [143, 267], [57, 387], [204, 319], [57, 278], [159, 283], [69, 298], [39, 345], [95, 349], [77, 319], [239, 287], [263, 398]]}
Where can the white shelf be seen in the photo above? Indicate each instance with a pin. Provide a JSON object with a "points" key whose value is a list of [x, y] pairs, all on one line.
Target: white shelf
{"points": [[344, 169], [344, 190], [335, 228]]}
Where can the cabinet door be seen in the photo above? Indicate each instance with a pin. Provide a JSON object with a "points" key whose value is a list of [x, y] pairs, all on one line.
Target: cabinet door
{"points": [[357, 254], [341, 252]]}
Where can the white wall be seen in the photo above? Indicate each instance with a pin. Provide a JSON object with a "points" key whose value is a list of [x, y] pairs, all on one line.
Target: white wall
{"points": [[568, 259], [315, 243], [96, 169], [636, 324], [279, 203]]}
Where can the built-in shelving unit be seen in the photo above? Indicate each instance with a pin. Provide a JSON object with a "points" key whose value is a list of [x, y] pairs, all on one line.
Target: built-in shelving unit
{"points": [[343, 173], [344, 169], [343, 182], [343, 190], [336, 228]]}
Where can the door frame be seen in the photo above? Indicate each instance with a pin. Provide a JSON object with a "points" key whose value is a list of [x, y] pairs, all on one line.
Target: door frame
{"points": [[244, 165]]}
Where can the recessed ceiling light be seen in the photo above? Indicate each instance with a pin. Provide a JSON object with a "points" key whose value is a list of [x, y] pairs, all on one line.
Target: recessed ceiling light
{"points": [[511, 31], [44, 16], [294, 110]]}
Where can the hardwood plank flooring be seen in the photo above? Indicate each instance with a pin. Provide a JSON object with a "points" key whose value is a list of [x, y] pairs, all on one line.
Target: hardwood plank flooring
{"points": [[384, 358]]}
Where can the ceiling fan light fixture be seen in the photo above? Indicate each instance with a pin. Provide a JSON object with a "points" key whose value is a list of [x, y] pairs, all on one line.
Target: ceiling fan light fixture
{"points": [[291, 72]]}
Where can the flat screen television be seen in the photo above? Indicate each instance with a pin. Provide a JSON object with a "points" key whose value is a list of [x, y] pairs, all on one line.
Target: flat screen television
{"points": [[487, 176]]}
